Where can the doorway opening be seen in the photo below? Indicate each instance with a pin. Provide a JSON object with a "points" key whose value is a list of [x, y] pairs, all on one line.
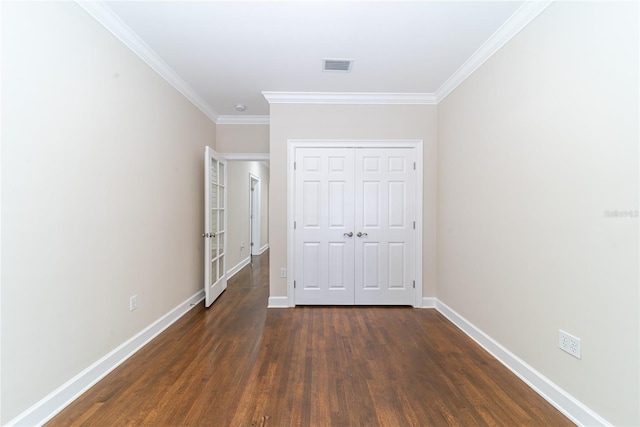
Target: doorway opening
{"points": [[248, 223]]}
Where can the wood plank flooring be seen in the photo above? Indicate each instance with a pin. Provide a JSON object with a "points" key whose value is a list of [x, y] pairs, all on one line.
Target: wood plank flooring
{"points": [[239, 364]]}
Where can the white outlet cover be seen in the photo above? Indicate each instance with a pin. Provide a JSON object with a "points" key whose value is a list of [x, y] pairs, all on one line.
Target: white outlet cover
{"points": [[133, 302], [570, 344]]}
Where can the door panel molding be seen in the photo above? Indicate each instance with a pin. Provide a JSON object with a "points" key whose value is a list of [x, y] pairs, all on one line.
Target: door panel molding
{"points": [[416, 144]]}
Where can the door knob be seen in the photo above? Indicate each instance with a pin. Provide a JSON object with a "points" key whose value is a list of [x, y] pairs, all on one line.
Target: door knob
{"points": [[349, 234], [360, 234]]}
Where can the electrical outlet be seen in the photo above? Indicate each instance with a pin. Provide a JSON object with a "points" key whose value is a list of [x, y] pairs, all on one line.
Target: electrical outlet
{"points": [[283, 272], [133, 302], [570, 344]]}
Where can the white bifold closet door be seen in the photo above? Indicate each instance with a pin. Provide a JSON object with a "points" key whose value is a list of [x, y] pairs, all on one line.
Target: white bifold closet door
{"points": [[354, 226]]}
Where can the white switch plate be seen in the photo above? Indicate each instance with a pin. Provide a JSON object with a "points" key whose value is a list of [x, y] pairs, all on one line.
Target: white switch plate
{"points": [[283, 272]]}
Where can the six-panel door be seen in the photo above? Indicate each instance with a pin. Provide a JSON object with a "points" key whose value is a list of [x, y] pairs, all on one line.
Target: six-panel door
{"points": [[324, 218], [384, 216]]}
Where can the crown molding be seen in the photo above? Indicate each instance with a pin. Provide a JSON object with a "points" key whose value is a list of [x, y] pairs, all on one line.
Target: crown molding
{"points": [[243, 120], [247, 156], [512, 26], [105, 16], [349, 98], [521, 18]]}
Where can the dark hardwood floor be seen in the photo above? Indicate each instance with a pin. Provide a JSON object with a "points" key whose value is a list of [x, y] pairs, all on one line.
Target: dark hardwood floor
{"points": [[239, 364]]}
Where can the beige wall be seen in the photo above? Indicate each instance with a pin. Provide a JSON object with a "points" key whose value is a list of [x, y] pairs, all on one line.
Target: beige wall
{"points": [[102, 197], [345, 122], [242, 138], [238, 208], [533, 149]]}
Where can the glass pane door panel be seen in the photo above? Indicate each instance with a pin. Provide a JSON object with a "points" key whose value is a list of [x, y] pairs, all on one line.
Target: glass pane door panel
{"points": [[214, 171], [214, 271], [220, 243], [214, 196], [214, 220], [222, 174], [214, 247], [220, 261]]}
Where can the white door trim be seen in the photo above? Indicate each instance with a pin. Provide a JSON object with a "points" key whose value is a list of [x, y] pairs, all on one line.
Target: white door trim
{"points": [[292, 144]]}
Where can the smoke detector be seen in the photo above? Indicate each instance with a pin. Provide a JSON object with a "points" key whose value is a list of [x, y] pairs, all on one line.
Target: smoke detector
{"points": [[241, 107], [337, 65]]}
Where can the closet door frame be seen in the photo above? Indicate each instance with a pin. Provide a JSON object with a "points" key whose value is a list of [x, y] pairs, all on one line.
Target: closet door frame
{"points": [[293, 144]]}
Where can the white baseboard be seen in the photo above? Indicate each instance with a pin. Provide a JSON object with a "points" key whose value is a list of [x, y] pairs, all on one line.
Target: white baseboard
{"points": [[264, 248], [575, 410], [429, 302], [58, 399], [278, 302], [233, 270]]}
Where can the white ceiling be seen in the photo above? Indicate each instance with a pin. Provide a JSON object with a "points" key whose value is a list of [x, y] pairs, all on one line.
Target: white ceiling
{"points": [[228, 52]]}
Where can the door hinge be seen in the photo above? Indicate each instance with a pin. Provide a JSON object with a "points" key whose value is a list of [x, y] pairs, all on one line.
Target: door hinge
{"points": [[414, 284], [294, 165], [414, 225], [414, 165], [294, 225], [294, 284], [251, 243]]}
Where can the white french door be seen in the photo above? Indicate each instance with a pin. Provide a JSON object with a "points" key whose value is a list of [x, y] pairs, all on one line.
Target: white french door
{"points": [[215, 274], [354, 230]]}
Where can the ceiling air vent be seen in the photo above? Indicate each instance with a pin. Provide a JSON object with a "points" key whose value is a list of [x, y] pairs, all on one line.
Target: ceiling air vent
{"points": [[337, 65]]}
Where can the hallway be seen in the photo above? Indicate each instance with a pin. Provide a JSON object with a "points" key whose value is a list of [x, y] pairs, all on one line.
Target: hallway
{"points": [[240, 364]]}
